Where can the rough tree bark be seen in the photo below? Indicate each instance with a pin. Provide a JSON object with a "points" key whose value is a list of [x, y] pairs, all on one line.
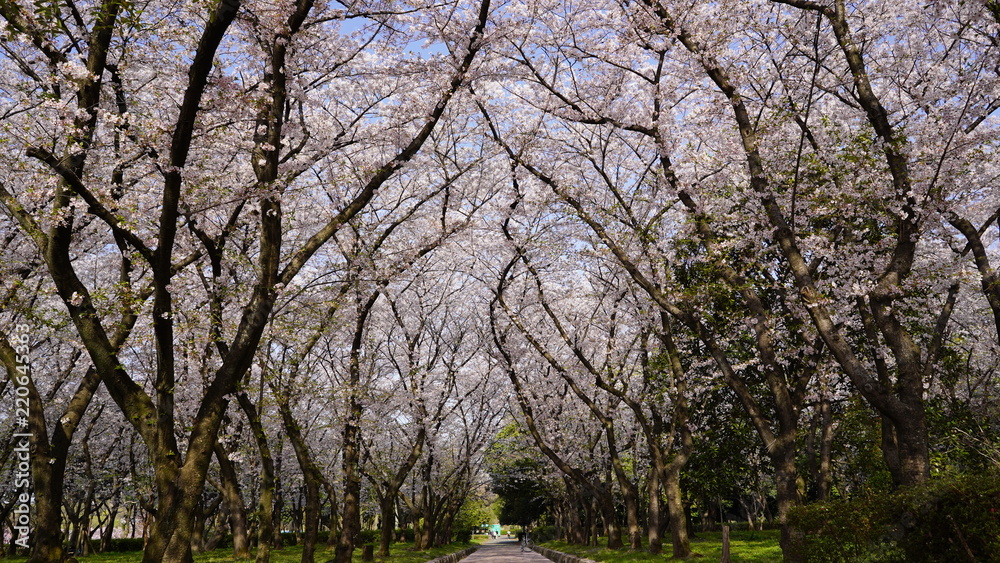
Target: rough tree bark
{"points": [[234, 500], [265, 510]]}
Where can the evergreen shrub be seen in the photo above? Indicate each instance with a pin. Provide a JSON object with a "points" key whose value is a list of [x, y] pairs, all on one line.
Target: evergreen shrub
{"points": [[948, 519], [120, 545]]}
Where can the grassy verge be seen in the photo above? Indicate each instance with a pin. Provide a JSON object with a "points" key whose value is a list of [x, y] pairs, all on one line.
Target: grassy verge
{"points": [[400, 553], [744, 547]]}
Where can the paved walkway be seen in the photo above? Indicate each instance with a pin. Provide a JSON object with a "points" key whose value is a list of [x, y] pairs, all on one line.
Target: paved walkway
{"points": [[503, 551]]}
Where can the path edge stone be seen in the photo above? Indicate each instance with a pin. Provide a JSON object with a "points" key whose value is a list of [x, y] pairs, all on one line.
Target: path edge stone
{"points": [[560, 557], [455, 557]]}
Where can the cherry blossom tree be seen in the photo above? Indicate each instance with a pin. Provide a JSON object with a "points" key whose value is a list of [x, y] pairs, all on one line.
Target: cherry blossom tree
{"points": [[785, 207], [753, 129], [92, 151]]}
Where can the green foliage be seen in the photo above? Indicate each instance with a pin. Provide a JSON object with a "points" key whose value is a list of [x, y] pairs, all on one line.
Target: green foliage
{"points": [[118, 545], [288, 538], [728, 461], [863, 471], [522, 494], [964, 438], [474, 512], [292, 538], [842, 530], [368, 537], [407, 534], [544, 533], [516, 475], [945, 520]]}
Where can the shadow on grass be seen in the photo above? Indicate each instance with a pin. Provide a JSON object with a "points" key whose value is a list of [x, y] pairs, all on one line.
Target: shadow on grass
{"points": [[745, 547], [400, 553]]}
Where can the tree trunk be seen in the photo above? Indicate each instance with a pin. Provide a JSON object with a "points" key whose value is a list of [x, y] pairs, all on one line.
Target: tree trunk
{"points": [[351, 523], [48, 462], [594, 537], [352, 438], [606, 503], [629, 490], [265, 510], [653, 538], [446, 526], [787, 488], [48, 483], [219, 521], [311, 535], [671, 472], [426, 537], [309, 476], [179, 489], [912, 448], [170, 533], [675, 508], [578, 534], [109, 530], [297, 515], [387, 505], [334, 537], [234, 501], [391, 491], [418, 530], [632, 518], [198, 529], [824, 477]]}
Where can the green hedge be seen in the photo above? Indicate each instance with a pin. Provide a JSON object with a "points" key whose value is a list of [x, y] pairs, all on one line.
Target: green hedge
{"points": [[948, 519], [120, 545], [368, 537], [364, 537], [288, 538], [407, 534], [542, 534]]}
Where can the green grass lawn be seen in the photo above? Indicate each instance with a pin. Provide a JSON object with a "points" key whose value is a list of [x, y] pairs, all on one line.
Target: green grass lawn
{"points": [[744, 547], [400, 553]]}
